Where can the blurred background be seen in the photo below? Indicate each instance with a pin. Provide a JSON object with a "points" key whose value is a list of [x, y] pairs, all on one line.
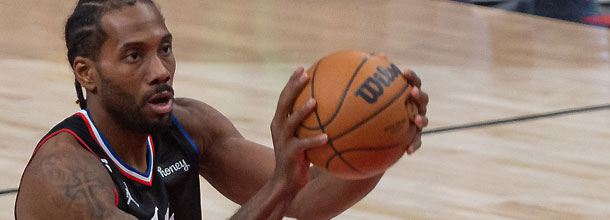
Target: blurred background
{"points": [[479, 61], [585, 11]]}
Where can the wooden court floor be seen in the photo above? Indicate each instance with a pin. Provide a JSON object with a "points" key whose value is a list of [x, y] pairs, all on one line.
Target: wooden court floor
{"points": [[477, 64]]}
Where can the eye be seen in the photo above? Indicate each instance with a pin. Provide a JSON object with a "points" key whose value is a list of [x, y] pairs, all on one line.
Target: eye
{"points": [[133, 56], [167, 49]]}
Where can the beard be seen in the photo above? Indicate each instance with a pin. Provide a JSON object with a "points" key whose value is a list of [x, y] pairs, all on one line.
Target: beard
{"points": [[127, 112]]}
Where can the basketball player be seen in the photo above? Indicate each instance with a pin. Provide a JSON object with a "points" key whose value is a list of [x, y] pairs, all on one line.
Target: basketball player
{"points": [[136, 152]]}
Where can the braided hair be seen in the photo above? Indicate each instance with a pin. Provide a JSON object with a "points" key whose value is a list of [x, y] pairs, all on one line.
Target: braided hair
{"points": [[84, 33]]}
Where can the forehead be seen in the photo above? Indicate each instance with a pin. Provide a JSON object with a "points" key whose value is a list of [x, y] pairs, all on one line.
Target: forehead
{"points": [[140, 22]]}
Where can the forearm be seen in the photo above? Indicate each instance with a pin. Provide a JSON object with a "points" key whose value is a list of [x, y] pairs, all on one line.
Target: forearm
{"points": [[327, 196], [270, 202]]}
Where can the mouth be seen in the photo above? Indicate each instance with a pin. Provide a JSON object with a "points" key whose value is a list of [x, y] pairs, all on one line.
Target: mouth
{"points": [[161, 98], [161, 103]]}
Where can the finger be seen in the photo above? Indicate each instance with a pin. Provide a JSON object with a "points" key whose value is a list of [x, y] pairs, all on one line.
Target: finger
{"points": [[415, 144], [301, 114], [312, 142], [421, 99], [421, 121], [412, 78], [291, 90]]}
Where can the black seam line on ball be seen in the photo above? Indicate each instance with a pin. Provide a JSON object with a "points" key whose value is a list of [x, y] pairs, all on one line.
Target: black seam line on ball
{"points": [[349, 84], [372, 115]]}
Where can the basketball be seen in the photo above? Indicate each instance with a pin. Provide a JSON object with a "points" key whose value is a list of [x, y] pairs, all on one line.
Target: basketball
{"points": [[362, 107]]}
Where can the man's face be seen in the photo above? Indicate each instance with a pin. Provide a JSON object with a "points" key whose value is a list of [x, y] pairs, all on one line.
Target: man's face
{"points": [[136, 68]]}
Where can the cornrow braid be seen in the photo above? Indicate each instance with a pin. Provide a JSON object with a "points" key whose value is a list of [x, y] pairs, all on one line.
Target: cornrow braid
{"points": [[84, 33], [79, 93]]}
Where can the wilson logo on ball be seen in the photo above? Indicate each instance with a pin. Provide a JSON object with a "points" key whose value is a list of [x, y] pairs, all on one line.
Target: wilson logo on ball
{"points": [[373, 86]]}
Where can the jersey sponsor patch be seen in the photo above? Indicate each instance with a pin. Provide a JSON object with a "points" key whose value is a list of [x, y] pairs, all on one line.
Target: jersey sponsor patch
{"points": [[177, 166]]}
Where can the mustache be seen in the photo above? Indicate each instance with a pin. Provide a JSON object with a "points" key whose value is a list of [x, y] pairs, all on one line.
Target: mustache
{"points": [[162, 88]]}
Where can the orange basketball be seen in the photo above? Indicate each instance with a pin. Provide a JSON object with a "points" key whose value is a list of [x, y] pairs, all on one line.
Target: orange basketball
{"points": [[362, 107]]}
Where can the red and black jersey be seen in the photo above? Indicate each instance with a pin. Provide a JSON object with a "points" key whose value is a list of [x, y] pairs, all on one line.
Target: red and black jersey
{"points": [[169, 189]]}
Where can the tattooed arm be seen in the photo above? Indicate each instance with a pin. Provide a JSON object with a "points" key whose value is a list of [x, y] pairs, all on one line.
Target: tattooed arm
{"points": [[64, 181]]}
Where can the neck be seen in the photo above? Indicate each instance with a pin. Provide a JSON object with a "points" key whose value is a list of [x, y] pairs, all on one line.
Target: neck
{"points": [[130, 146]]}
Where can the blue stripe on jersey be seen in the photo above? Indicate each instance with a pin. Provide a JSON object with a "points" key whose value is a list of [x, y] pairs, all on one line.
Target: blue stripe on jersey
{"points": [[148, 153], [186, 135]]}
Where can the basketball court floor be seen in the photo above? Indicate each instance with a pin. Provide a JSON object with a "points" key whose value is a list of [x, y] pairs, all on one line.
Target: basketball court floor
{"points": [[519, 117]]}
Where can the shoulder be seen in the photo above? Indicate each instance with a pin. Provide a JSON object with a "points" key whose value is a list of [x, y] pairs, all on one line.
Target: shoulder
{"points": [[63, 172], [202, 121], [186, 107], [58, 151]]}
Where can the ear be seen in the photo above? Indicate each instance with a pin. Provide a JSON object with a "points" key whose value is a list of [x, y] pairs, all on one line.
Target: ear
{"points": [[85, 72]]}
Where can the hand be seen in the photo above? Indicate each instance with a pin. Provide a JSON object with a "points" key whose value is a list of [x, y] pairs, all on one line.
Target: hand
{"points": [[291, 165], [420, 99]]}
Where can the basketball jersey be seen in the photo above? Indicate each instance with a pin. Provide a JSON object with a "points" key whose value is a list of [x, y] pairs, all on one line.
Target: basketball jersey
{"points": [[168, 190]]}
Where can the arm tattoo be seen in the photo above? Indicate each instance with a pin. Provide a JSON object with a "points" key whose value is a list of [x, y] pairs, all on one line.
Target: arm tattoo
{"points": [[81, 188]]}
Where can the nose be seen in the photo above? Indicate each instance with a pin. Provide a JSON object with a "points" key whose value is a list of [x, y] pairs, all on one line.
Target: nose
{"points": [[158, 71]]}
